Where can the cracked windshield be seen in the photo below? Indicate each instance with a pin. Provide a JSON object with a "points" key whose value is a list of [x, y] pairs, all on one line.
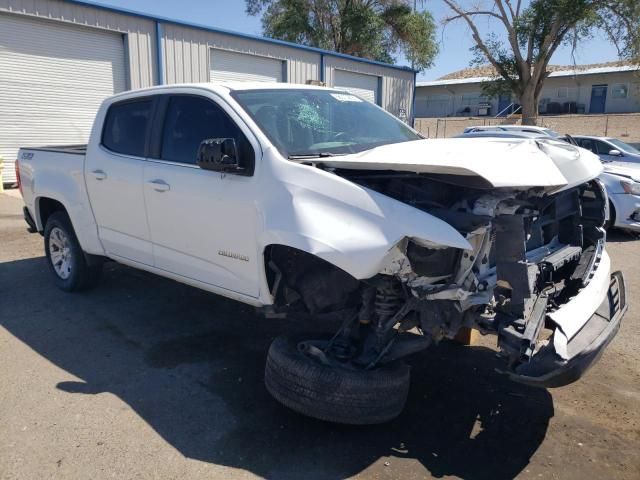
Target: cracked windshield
{"points": [[306, 122]]}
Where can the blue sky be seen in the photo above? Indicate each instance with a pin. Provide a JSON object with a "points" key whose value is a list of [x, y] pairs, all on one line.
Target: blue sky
{"points": [[454, 40]]}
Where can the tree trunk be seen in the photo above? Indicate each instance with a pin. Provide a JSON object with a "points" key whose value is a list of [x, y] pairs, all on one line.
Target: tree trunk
{"points": [[529, 102]]}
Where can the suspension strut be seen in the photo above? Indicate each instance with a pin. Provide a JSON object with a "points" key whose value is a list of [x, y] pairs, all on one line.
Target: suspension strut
{"points": [[387, 302]]}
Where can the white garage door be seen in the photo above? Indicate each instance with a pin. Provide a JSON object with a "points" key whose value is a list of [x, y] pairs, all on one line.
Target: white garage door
{"points": [[53, 77], [365, 86], [233, 66]]}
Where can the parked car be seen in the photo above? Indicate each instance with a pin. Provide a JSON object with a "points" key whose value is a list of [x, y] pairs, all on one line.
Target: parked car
{"points": [[513, 128], [311, 202], [515, 134], [501, 134], [609, 149], [622, 181]]}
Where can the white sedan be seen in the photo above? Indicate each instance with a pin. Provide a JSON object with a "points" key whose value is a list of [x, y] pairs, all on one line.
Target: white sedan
{"points": [[622, 181], [609, 148]]}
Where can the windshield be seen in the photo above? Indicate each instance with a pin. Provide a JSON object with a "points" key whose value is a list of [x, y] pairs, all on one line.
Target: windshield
{"points": [[301, 122], [624, 146]]}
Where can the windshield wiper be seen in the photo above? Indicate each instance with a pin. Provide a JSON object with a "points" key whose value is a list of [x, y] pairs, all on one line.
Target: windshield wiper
{"points": [[307, 156]]}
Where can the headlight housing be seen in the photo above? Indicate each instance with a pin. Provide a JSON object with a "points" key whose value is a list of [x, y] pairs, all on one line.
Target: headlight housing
{"points": [[630, 187], [428, 262]]}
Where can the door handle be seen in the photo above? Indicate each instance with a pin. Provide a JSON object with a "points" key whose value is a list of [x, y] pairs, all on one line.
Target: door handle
{"points": [[160, 185], [99, 174]]}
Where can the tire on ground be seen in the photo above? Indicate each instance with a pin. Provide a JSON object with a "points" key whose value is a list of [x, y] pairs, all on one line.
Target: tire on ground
{"points": [[340, 395], [83, 275]]}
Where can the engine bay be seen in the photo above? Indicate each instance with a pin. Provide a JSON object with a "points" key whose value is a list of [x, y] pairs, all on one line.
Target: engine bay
{"points": [[532, 252]]}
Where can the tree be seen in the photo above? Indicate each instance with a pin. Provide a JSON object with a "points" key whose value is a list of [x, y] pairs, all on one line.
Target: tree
{"points": [[374, 29], [533, 31]]}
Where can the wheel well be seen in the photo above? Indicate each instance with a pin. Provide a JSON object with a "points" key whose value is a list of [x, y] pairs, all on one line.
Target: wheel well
{"points": [[47, 206], [320, 286]]}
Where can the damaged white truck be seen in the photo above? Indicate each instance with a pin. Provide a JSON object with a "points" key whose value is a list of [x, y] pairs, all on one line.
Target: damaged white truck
{"points": [[310, 202]]}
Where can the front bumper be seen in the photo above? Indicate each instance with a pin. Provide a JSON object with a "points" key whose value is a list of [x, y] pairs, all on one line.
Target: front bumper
{"points": [[627, 211], [575, 347]]}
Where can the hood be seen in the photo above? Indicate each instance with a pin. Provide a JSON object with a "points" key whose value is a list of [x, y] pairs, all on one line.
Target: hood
{"points": [[635, 156], [516, 163], [624, 169]]}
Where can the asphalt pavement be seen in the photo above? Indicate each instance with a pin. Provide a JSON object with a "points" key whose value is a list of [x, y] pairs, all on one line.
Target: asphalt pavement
{"points": [[145, 378]]}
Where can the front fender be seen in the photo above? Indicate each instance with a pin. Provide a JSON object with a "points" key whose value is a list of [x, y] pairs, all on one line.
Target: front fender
{"points": [[348, 225]]}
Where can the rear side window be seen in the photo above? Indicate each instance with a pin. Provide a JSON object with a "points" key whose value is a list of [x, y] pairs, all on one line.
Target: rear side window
{"points": [[125, 128], [603, 148], [588, 144], [190, 120]]}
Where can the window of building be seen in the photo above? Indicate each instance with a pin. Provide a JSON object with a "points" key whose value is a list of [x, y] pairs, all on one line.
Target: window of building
{"points": [[474, 98], [125, 128], [620, 90]]}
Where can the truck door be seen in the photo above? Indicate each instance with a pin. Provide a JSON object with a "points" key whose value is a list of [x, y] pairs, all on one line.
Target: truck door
{"points": [[203, 224], [113, 172]]}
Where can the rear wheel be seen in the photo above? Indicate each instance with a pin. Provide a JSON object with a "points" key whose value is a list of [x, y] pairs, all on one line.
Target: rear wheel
{"points": [[65, 257], [341, 394]]}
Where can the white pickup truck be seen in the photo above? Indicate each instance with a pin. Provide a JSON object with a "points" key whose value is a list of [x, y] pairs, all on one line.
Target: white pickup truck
{"points": [[311, 201]]}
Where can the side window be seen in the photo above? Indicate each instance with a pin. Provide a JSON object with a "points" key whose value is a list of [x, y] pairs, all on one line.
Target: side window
{"points": [[189, 120], [603, 148], [125, 128], [588, 144]]}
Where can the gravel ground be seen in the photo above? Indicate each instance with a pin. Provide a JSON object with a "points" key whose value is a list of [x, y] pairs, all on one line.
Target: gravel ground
{"points": [[147, 378]]}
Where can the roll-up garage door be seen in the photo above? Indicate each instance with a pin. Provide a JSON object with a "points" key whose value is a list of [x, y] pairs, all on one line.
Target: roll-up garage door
{"points": [[233, 66], [365, 86], [53, 77]]}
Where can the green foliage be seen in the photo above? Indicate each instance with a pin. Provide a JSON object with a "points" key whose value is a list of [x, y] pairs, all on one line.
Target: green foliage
{"points": [[374, 29]]}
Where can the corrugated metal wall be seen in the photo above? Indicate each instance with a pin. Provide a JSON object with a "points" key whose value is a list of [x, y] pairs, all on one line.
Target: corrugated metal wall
{"points": [[186, 53], [397, 85], [140, 33]]}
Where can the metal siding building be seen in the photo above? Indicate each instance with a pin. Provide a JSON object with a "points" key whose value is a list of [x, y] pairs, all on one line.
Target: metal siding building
{"points": [[617, 88], [60, 58]]}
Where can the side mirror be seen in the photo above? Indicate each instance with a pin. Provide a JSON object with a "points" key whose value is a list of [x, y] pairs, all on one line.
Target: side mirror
{"points": [[219, 155], [615, 153]]}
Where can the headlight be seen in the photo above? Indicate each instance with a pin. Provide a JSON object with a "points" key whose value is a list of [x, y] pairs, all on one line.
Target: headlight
{"points": [[630, 187]]}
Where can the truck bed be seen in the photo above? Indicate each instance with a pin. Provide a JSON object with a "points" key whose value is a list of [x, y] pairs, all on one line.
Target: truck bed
{"points": [[58, 173]]}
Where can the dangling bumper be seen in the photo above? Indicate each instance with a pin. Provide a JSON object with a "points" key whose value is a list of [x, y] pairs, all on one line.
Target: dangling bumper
{"points": [[584, 327]]}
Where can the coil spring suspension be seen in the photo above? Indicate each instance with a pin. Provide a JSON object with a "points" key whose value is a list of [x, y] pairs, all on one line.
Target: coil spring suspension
{"points": [[387, 303]]}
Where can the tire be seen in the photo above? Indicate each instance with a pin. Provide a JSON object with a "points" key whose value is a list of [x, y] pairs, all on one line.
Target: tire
{"points": [[340, 395], [65, 257]]}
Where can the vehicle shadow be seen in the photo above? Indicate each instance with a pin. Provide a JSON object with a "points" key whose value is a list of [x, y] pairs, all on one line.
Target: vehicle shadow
{"points": [[620, 236], [191, 365]]}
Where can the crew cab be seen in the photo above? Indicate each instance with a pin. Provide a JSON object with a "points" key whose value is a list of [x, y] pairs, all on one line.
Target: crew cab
{"points": [[311, 203]]}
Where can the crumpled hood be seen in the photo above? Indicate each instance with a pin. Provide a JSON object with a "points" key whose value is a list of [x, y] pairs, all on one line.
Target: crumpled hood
{"points": [[624, 169], [516, 163]]}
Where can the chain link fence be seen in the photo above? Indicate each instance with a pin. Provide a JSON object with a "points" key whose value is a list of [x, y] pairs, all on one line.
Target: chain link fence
{"points": [[625, 126]]}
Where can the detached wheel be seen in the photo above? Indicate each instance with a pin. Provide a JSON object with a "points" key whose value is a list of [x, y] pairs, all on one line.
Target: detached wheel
{"points": [[65, 257], [336, 394]]}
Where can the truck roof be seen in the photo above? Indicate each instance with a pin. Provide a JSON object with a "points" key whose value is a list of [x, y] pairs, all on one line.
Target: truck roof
{"points": [[224, 87]]}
